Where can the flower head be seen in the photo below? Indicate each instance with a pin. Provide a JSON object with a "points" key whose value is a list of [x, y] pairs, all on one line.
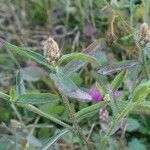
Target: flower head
{"points": [[96, 95]]}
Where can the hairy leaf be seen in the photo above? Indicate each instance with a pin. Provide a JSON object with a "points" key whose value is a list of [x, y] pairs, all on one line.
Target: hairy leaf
{"points": [[91, 110], [69, 88], [92, 50], [20, 88], [79, 56], [141, 91], [117, 67], [118, 80], [37, 98], [28, 53]]}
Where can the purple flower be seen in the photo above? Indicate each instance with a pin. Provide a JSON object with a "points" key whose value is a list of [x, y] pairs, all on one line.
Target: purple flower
{"points": [[96, 96], [117, 93]]}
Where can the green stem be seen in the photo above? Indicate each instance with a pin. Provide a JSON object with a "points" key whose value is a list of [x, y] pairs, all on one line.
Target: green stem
{"points": [[73, 118], [18, 115], [145, 67], [41, 113]]}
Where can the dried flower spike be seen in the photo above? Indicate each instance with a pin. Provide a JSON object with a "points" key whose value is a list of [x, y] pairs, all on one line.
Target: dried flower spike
{"points": [[51, 50], [144, 33], [143, 30]]}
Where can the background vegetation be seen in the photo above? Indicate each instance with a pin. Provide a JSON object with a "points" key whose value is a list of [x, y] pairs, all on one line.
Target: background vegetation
{"points": [[74, 24]]}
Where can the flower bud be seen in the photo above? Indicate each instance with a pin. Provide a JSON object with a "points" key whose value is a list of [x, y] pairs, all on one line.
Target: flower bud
{"points": [[104, 120]]}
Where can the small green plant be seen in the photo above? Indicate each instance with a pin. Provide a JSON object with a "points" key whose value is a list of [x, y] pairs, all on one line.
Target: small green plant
{"points": [[106, 96]]}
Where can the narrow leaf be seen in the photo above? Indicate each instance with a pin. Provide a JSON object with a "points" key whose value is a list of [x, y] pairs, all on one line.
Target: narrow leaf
{"points": [[91, 110], [118, 80], [142, 109], [108, 70], [141, 92], [20, 88], [28, 53], [53, 139], [79, 56], [37, 98], [92, 50], [102, 88]]}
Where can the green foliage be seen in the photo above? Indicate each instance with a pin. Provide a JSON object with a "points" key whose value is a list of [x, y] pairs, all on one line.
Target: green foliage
{"points": [[37, 98], [132, 125], [141, 91], [68, 87], [53, 139], [136, 144], [118, 80], [28, 53], [79, 56], [90, 111], [55, 108], [20, 88], [37, 13]]}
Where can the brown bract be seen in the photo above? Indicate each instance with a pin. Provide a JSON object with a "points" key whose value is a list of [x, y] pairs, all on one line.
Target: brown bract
{"points": [[51, 50]]}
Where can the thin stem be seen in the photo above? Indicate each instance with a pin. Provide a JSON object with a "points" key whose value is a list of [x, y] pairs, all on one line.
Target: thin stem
{"points": [[41, 113], [145, 67], [32, 130], [122, 137], [73, 118], [18, 115]]}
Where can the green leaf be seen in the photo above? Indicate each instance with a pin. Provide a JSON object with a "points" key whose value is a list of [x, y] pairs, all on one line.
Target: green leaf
{"points": [[20, 88], [135, 144], [12, 94], [37, 98], [101, 87], [32, 73], [53, 139], [141, 91], [53, 109], [28, 53], [118, 80], [92, 50], [142, 109], [91, 110], [117, 67], [132, 125], [79, 56], [66, 86], [4, 96]]}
